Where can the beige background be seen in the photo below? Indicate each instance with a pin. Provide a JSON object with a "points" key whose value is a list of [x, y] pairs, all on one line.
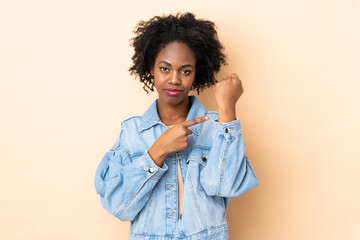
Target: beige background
{"points": [[65, 88]]}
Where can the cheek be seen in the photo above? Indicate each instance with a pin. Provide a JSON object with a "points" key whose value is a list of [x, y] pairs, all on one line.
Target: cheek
{"points": [[158, 80], [188, 86], [189, 82]]}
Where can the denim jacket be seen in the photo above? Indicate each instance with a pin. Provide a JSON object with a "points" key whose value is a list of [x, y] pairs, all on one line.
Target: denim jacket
{"points": [[214, 168]]}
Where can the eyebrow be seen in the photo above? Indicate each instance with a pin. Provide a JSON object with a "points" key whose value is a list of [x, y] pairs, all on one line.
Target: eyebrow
{"points": [[183, 66]]}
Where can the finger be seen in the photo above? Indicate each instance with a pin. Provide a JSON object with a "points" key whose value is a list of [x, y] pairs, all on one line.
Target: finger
{"points": [[226, 78], [195, 121], [189, 131], [234, 76]]}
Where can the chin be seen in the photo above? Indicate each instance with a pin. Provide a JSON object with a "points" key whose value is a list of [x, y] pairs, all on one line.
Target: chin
{"points": [[174, 100]]}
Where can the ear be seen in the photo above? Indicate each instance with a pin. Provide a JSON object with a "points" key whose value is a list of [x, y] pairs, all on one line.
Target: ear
{"points": [[152, 71]]}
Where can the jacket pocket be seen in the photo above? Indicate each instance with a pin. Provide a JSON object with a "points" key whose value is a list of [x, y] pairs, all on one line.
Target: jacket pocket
{"points": [[197, 161]]}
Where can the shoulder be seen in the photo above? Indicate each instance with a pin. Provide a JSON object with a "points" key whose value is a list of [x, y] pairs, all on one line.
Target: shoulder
{"points": [[131, 120], [131, 123]]}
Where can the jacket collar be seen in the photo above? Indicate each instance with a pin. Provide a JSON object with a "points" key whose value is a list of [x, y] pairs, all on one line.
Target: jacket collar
{"points": [[151, 116]]}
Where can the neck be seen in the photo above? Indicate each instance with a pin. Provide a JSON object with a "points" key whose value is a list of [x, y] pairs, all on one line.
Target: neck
{"points": [[173, 114]]}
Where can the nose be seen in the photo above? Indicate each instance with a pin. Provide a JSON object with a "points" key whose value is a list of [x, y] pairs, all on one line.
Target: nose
{"points": [[175, 78]]}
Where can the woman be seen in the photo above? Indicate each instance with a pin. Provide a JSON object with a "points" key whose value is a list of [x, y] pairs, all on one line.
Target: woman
{"points": [[173, 170]]}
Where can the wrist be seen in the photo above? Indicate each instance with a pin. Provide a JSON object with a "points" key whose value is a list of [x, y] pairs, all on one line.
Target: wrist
{"points": [[226, 114], [157, 154]]}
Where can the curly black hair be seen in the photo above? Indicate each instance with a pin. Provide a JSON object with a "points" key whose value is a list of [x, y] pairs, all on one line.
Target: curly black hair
{"points": [[200, 35]]}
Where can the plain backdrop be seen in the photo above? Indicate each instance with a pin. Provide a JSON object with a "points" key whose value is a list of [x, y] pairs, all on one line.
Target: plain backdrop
{"points": [[65, 88]]}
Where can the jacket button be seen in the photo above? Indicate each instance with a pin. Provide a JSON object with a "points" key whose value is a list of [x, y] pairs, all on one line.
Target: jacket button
{"points": [[187, 161], [204, 158], [151, 170]]}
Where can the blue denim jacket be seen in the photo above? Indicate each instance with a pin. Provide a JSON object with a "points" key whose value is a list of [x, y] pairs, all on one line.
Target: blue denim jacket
{"points": [[214, 168]]}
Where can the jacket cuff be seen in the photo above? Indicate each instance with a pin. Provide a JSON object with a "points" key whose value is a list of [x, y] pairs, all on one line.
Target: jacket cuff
{"points": [[150, 169], [228, 130]]}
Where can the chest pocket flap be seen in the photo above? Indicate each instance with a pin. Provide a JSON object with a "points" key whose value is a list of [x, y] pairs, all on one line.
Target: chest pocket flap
{"points": [[199, 155], [197, 161]]}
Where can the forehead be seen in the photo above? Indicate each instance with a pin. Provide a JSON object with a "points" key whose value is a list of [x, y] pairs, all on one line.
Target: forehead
{"points": [[176, 52]]}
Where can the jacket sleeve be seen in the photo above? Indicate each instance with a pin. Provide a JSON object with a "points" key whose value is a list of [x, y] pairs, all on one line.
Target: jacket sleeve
{"points": [[228, 172], [125, 183]]}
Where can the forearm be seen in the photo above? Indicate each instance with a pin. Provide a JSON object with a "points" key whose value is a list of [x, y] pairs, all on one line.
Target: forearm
{"points": [[228, 172], [157, 154], [119, 196]]}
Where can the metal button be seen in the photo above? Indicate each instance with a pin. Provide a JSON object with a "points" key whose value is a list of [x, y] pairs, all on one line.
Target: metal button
{"points": [[227, 130], [151, 170], [187, 161], [203, 157]]}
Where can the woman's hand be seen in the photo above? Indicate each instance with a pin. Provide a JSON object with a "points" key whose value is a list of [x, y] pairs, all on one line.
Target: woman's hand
{"points": [[227, 93], [173, 140]]}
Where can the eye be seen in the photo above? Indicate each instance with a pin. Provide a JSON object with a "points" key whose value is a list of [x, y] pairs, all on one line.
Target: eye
{"points": [[164, 69], [186, 71]]}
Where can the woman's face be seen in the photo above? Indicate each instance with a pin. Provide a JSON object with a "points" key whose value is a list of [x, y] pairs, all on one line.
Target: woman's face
{"points": [[174, 72]]}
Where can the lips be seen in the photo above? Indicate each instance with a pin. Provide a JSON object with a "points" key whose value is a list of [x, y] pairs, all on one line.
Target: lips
{"points": [[172, 92]]}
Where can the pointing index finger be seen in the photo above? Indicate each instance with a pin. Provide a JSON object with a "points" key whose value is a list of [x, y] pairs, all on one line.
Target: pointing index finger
{"points": [[196, 121]]}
